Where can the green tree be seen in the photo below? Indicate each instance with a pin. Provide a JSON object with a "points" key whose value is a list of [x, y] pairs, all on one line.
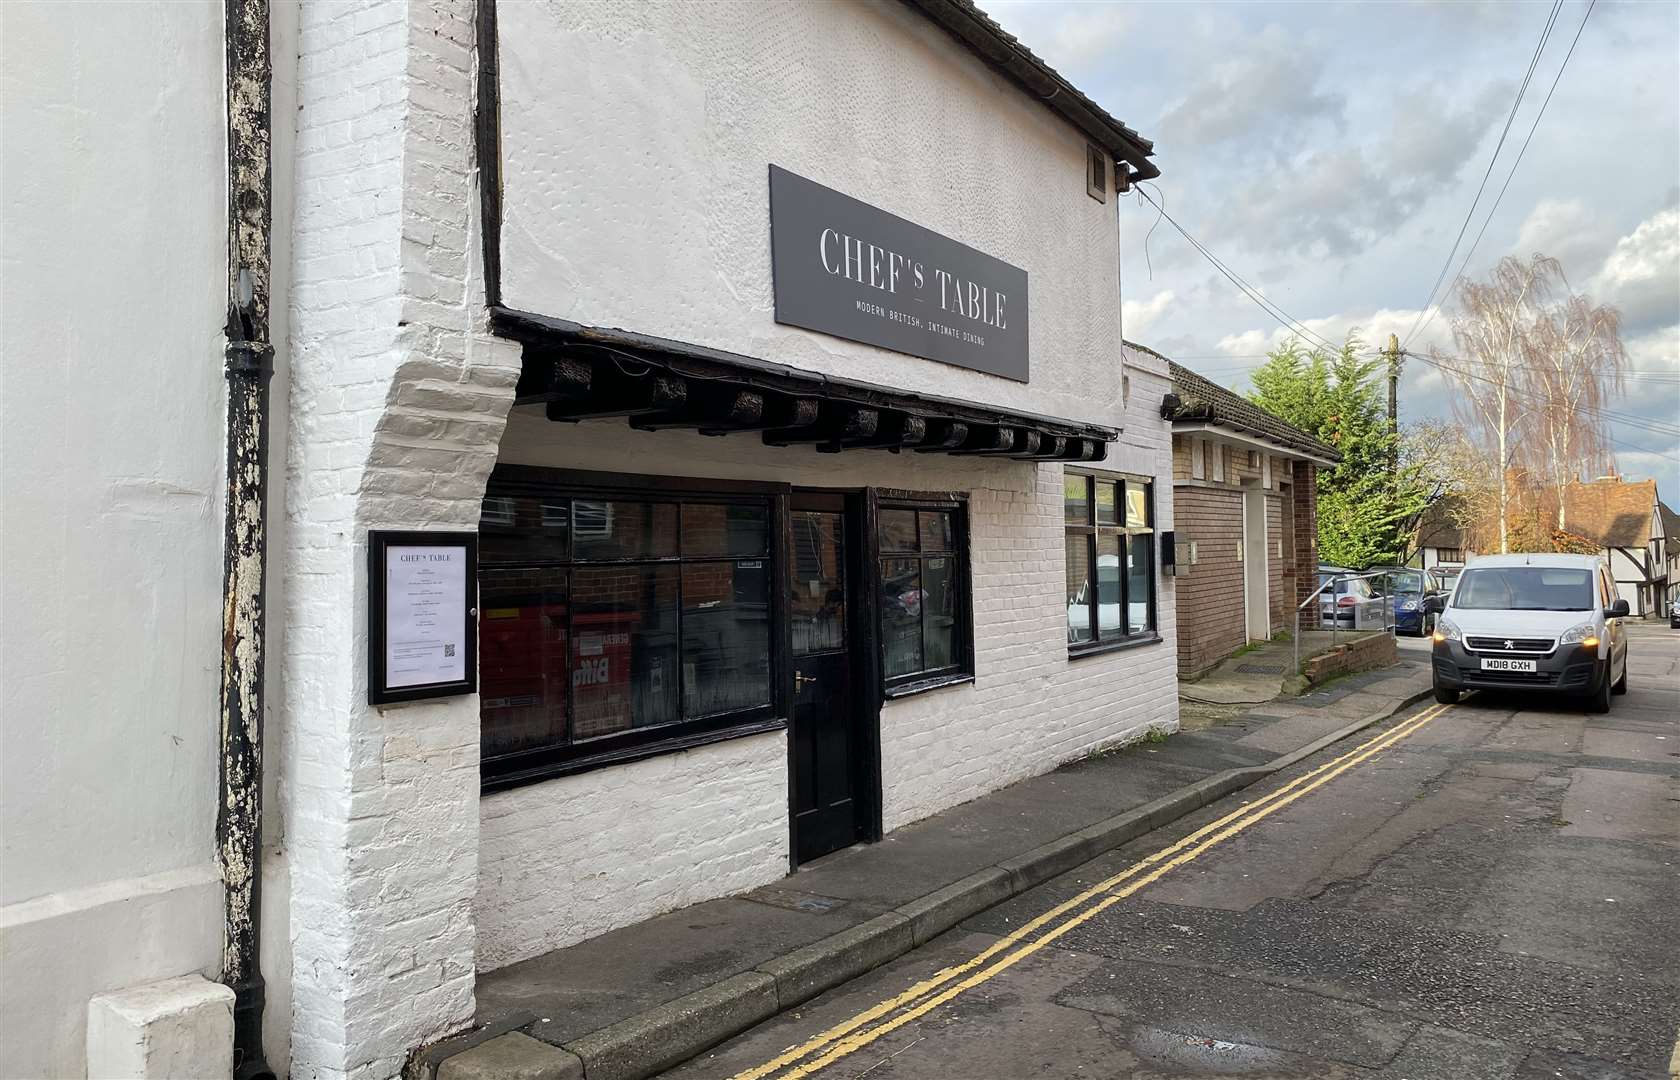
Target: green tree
{"points": [[1366, 511]]}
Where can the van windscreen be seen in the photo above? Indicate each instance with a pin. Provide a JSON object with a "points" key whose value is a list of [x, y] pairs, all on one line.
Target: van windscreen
{"points": [[1525, 588]]}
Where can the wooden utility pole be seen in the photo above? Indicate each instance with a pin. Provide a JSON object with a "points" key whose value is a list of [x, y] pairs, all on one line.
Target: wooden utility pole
{"points": [[1393, 352]]}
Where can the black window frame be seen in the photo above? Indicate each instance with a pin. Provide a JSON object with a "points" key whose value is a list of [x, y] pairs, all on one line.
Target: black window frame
{"points": [[956, 503], [534, 764], [1091, 529]]}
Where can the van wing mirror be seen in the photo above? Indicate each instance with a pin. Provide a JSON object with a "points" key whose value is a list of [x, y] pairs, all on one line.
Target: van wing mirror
{"points": [[1618, 610]]}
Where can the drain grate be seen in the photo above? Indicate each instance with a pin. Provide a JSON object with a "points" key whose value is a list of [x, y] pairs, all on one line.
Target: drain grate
{"points": [[1260, 669]]}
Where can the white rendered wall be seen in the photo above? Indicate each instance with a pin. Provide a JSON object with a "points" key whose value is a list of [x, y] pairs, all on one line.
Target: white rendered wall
{"points": [[114, 284], [636, 144], [570, 858]]}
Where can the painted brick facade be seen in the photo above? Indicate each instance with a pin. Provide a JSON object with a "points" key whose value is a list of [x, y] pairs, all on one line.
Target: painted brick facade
{"points": [[556, 867], [400, 401]]}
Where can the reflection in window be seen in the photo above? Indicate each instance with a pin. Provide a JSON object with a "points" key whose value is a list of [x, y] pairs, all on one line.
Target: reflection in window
{"points": [[624, 648], [901, 616], [601, 620], [1110, 565], [818, 603], [522, 658], [923, 597], [607, 530], [725, 637]]}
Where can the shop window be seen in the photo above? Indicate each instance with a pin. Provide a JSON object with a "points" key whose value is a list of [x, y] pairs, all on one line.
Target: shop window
{"points": [[923, 594], [1109, 542], [614, 627]]}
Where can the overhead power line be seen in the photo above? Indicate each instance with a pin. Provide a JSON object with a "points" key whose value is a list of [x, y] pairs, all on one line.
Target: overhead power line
{"points": [[1469, 215], [1288, 321], [1430, 315], [1640, 423]]}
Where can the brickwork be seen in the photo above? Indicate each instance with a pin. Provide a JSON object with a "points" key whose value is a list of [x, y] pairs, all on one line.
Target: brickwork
{"points": [[1210, 595], [399, 400], [1305, 490], [1364, 654]]}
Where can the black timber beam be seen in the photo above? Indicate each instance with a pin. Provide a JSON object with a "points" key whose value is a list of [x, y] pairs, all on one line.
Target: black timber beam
{"points": [[711, 406], [789, 413], [611, 391], [895, 431], [837, 422], [989, 441]]}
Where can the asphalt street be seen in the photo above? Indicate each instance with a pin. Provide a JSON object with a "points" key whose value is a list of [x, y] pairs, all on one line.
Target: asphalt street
{"points": [[1486, 890]]}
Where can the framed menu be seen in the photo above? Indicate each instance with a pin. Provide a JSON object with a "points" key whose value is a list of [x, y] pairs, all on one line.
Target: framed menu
{"points": [[422, 615]]}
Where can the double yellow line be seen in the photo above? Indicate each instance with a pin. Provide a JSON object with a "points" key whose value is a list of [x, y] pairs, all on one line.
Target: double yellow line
{"points": [[878, 1020]]}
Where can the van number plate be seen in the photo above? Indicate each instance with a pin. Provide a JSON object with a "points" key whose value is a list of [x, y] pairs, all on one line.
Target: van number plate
{"points": [[1502, 664]]}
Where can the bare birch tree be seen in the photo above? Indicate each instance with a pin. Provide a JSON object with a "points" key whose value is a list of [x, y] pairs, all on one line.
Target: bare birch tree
{"points": [[1576, 364], [1494, 335]]}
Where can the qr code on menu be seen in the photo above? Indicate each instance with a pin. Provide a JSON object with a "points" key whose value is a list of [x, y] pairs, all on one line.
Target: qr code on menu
{"points": [[449, 649]]}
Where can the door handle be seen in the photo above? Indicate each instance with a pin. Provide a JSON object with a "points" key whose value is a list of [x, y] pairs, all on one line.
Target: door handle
{"points": [[801, 679]]}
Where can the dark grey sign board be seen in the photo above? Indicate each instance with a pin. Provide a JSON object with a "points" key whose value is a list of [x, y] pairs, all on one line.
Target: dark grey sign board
{"points": [[845, 268]]}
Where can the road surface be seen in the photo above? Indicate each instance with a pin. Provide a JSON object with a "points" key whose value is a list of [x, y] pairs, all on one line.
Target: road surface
{"points": [[1486, 890]]}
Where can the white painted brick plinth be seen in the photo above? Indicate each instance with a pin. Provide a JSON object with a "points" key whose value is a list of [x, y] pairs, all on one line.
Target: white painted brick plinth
{"points": [[180, 1029]]}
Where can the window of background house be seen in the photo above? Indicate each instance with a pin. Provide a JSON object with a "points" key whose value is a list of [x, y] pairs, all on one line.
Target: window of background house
{"points": [[1109, 535], [609, 622], [924, 592]]}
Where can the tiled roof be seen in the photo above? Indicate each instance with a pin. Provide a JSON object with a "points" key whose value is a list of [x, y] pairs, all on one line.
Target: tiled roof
{"points": [[1616, 513], [1671, 528], [1207, 401]]}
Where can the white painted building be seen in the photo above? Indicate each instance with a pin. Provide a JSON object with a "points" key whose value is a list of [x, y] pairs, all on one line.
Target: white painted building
{"points": [[667, 619]]}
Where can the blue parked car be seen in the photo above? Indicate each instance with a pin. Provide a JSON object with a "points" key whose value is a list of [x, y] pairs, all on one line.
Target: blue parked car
{"points": [[1419, 596]]}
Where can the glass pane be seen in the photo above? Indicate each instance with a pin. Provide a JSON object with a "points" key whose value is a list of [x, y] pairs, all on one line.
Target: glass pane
{"points": [[725, 636], [938, 530], [609, 529], [1140, 567], [1108, 584], [521, 660], [901, 616], [624, 648], [1076, 491], [1137, 506], [1108, 503], [523, 528], [1078, 598], [898, 530], [735, 532], [818, 574], [939, 612]]}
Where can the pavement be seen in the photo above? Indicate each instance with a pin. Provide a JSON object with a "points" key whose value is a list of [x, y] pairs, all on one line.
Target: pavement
{"points": [[1483, 891], [644, 998], [1266, 670]]}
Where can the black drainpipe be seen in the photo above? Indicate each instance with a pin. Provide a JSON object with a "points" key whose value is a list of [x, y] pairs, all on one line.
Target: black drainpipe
{"points": [[249, 363]]}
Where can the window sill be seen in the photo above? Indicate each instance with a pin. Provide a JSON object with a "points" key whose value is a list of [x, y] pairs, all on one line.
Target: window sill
{"points": [[519, 777], [1106, 647], [936, 682]]}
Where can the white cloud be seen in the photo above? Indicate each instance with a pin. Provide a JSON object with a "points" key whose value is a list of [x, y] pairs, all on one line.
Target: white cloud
{"points": [[1136, 316], [1068, 38], [1642, 275], [1658, 351], [1568, 231]]}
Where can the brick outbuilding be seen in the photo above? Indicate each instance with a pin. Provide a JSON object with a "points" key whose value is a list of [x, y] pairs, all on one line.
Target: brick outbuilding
{"points": [[1245, 510]]}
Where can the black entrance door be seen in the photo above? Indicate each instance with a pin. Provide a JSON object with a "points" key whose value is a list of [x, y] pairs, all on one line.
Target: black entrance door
{"points": [[828, 800]]}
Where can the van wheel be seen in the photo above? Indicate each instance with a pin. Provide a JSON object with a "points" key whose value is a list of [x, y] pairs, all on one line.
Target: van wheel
{"points": [[1621, 684], [1598, 701], [1446, 697]]}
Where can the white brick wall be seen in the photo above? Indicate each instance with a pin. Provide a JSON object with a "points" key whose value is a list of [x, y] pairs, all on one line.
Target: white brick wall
{"points": [[566, 860], [398, 399]]}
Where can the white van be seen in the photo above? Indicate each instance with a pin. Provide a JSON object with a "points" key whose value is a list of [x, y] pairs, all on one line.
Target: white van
{"points": [[1550, 623]]}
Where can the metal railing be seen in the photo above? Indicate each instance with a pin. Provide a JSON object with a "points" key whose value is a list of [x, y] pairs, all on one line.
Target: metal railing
{"points": [[1335, 608]]}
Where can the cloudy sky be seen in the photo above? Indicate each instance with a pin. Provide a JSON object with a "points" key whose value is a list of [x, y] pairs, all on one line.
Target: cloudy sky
{"points": [[1329, 154]]}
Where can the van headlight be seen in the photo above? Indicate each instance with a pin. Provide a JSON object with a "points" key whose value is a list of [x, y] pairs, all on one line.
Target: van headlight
{"points": [[1584, 634], [1447, 630], [1409, 605]]}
